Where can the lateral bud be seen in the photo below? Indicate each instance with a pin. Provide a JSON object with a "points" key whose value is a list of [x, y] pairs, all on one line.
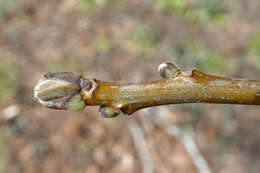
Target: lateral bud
{"points": [[168, 70], [108, 112], [88, 87]]}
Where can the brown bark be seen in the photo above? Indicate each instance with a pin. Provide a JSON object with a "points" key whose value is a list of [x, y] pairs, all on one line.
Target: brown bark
{"points": [[74, 92], [194, 87]]}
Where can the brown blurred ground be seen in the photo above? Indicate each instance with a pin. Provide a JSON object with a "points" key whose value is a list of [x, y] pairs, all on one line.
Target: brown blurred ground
{"points": [[124, 41]]}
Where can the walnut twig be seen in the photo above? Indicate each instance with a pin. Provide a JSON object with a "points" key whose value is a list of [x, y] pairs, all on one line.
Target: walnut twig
{"points": [[74, 92]]}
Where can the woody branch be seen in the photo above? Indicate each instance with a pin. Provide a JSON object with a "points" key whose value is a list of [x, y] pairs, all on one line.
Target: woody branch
{"points": [[74, 92]]}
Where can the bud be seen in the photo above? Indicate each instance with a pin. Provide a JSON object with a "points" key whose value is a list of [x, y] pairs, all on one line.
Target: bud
{"points": [[108, 112], [60, 91], [168, 70]]}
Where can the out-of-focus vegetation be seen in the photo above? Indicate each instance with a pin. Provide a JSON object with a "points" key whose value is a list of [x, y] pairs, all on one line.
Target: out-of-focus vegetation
{"points": [[195, 55], [91, 7], [254, 49], [125, 41], [7, 6], [196, 11], [8, 76], [4, 154], [103, 48], [145, 39]]}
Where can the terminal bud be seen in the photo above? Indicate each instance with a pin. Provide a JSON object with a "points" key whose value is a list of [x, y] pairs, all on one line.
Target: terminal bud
{"points": [[60, 91]]}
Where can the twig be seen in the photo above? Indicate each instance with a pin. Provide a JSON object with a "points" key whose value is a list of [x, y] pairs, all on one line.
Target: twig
{"points": [[74, 92], [140, 145], [186, 138]]}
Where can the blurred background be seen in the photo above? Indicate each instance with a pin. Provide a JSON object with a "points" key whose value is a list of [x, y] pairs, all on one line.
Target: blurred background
{"points": [[125, 41]]}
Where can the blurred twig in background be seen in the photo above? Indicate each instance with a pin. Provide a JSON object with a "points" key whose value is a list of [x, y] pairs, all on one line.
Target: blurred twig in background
{"points": [[141, 148], [183, 136]]}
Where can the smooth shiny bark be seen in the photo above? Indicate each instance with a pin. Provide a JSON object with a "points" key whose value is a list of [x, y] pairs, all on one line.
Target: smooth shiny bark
{"points": [[186, 87]]}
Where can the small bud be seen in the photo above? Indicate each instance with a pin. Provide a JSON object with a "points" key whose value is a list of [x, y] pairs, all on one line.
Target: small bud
{"points": [[108, 112], [76, 103], [59, 91], [168, 70], [88, 86], [85, 84]]}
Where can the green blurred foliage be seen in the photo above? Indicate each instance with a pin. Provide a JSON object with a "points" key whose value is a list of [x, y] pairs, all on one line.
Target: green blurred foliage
{"points": [[91, 7], [212, 10], [145, 39], [8, 6], [254, 45], [12, 7], [254, 49], [103, 48], [4, 154], [65, 64], [8, 76], [196, 11], [176, 6], [196, 55], [86, 145]]}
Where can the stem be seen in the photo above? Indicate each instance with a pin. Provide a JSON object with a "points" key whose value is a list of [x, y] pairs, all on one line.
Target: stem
{"points": [[74, 92], [195, 87]]}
